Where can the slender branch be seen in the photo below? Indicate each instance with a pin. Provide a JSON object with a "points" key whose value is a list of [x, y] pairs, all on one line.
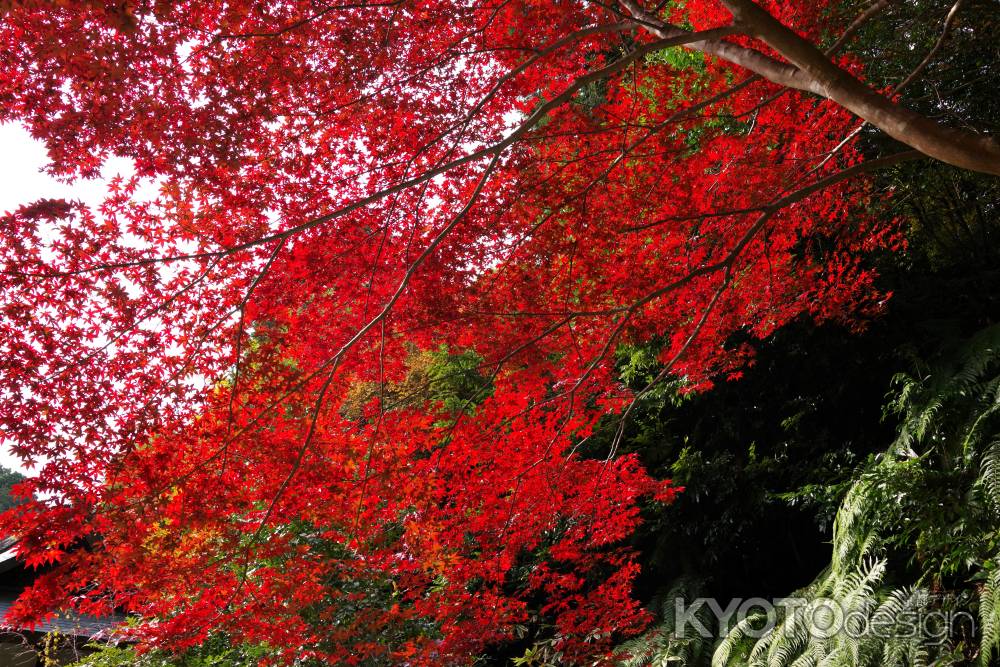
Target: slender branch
{"points": [[955, 146], [857, 24], [946, 28], [494, 149], [810, 70]]}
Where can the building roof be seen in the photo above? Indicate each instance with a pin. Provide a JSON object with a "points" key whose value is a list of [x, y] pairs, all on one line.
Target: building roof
{"points": [[78, 625], [15, 577]]}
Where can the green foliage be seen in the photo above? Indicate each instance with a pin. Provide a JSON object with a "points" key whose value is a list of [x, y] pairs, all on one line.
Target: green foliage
{"points": [[666, 645], [851, 597], [917, 530], [925, 511], [950, 217], [8, 478], [989, 614], [961, 79], [216, 651], [542, 653], [679, 58], [764, 460], [455, 381]]}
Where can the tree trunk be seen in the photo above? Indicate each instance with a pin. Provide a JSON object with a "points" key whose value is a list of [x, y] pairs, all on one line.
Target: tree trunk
{"points": [[810, 70]]}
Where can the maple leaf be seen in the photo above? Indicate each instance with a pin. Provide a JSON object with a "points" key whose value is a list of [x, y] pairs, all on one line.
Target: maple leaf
{"points": [[328, 385]]}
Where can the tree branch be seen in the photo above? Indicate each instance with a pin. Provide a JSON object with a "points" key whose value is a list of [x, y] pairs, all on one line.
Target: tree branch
{"points": [[810, 70], [957, 147]]}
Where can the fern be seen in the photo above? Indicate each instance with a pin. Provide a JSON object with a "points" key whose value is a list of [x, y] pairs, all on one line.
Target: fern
{"points": [[989, 478], [936, 490], [665, 644], [989, 617], [801, 638], [738, 644], [949, 430]]}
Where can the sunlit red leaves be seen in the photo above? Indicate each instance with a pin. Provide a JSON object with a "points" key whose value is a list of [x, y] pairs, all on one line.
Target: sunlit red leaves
{"points": [[213, 380]]}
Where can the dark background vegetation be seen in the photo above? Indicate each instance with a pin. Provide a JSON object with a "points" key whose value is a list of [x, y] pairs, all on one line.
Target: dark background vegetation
{"points": [[766, 459]]}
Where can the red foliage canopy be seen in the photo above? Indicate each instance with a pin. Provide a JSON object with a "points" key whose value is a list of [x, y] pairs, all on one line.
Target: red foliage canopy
{"points": [[204, 378]]}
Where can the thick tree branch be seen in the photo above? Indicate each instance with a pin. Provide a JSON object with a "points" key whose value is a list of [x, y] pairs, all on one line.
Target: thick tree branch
{"points": [[954, 146], [767, 67], [810, 70]]}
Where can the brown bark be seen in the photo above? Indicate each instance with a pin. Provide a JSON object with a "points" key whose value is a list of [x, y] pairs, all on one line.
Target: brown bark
{"points": [[810, 70]]}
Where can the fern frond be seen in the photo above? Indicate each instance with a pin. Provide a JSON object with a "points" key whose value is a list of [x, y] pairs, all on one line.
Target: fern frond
{"points": [[989, 476], [989, 617], [737, 644]]}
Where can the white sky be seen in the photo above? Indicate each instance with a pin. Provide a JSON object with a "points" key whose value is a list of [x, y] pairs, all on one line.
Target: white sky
{"points": [[22, 182]]}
